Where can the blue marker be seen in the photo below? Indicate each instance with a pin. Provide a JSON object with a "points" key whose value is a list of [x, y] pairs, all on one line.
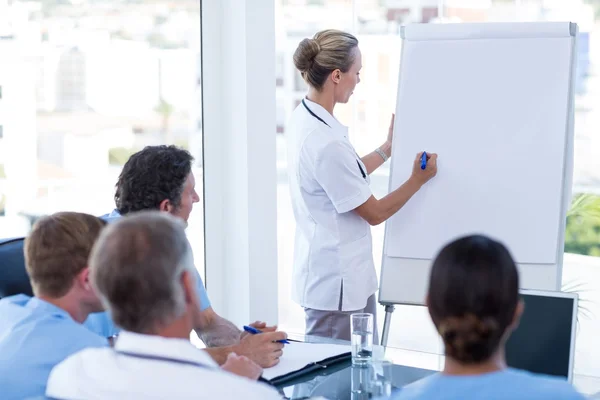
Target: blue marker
{"points": [[255, 331], [424, 160]]}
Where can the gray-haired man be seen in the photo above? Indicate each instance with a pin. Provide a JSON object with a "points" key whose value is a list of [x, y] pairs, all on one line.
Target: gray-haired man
{"points": [[143, 269]]}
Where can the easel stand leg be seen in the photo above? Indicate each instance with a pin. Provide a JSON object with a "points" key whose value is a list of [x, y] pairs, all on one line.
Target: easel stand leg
{"points": [[389, 309]]}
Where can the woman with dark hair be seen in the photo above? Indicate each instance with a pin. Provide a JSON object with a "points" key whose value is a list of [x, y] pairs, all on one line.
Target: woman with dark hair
{"points": [[474, 303]]}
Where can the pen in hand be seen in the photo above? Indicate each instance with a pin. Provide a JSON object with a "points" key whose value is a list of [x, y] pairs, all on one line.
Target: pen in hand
{"points": [[255, 331]]}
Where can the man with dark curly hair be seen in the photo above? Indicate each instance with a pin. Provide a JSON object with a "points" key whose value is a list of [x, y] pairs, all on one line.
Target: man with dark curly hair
{"points": [[158, 177], [161, 178]]}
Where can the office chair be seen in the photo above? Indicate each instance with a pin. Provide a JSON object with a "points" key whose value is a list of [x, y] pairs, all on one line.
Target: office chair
{"points": [[13, 276]]}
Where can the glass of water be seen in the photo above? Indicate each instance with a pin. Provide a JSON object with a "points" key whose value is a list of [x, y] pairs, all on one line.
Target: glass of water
{"points": [[361, 325], [362, 378], [382, 379]]}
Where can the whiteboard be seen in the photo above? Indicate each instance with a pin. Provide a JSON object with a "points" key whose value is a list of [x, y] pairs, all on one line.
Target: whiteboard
{"points": [[495, 101]]}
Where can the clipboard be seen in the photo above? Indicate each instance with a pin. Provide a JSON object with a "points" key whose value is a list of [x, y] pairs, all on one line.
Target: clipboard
{"points": [[301, 358], [323, 367]]}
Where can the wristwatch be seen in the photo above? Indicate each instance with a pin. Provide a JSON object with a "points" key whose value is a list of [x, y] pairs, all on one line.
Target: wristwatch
{"points": [[382, 154]]}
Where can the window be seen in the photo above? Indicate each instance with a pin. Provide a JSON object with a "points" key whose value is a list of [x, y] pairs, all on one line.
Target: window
{"points": [[279, 69], [299, 84], [383, 64], [376, 24], [103, 82]]}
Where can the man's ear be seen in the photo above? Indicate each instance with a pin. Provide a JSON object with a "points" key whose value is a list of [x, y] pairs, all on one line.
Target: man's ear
{"points": [[188, 282], [165, 205], [83, 279]]}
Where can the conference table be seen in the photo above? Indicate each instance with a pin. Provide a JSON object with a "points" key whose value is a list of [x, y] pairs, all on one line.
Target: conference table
{"points": [[343, 381]]}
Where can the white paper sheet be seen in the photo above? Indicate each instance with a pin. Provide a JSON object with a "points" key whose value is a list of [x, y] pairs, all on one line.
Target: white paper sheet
{"points": [[297, 355], [496, 112]]}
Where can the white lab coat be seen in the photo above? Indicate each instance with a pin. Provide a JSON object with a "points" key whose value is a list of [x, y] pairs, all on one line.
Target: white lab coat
{"points": [[105, 373], [333, 244]]}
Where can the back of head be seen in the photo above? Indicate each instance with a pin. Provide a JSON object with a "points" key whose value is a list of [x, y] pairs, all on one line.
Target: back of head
{"points": [[150, 176], [318, 57], [57, 250], [473, 295], [136, 267]]}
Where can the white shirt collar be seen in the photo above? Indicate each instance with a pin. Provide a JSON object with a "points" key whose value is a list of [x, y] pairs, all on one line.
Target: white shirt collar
{"points": [[325, 116], [151, 345]]}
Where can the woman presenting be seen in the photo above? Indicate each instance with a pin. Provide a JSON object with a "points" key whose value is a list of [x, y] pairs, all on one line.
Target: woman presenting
{"points": [[334, 274]]}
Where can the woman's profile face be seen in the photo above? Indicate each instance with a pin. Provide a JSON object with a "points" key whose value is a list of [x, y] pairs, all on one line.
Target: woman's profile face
{"points": [[349, 80]]}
